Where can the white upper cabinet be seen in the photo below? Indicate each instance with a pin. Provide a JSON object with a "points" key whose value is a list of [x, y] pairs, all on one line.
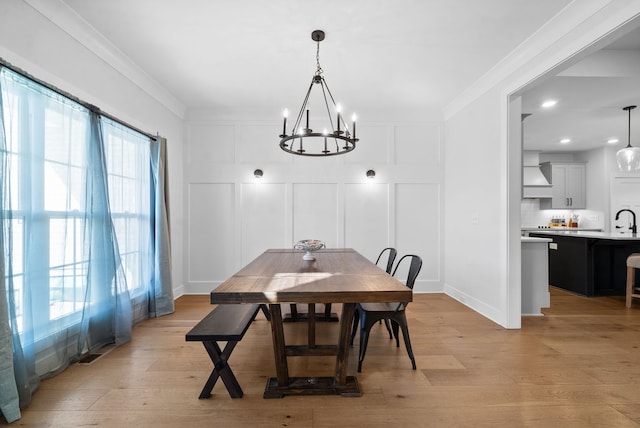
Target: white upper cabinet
{"points": [[569, 185]]}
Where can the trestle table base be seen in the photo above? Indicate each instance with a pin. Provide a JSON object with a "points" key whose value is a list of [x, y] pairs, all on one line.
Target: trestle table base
{"points": [[312, 386]]}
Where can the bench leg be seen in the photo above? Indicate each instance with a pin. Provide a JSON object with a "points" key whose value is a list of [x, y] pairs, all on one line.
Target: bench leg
{"points": [[265, 311], [221, 369]]}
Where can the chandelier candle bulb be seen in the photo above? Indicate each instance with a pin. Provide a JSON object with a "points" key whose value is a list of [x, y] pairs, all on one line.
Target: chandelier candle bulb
{"points": [[324, 133], [353, 119], [284, 126]]}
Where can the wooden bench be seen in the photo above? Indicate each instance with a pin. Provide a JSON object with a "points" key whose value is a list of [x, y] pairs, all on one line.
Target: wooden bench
{"points": [[226, 323]]}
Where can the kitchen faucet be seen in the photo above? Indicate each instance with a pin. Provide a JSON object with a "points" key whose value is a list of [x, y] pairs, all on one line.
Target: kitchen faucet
{"points": [[633, 216]]}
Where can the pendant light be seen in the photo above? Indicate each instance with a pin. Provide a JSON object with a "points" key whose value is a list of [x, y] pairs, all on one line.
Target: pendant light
{"points": [[336, 138], [629, 157]]}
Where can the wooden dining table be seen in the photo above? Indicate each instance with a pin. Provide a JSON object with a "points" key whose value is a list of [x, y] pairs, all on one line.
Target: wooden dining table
{"points": [[281, 276]]}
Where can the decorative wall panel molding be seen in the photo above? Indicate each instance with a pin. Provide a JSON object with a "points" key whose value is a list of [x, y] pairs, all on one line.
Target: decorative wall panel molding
{"points": [[233, 217], [264, 219], [315, 213], [418, 225], [367, 218], [211, 222]]}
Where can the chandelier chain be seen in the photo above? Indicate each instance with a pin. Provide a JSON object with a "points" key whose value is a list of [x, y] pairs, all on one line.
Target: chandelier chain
{"points": [[319, 69]]}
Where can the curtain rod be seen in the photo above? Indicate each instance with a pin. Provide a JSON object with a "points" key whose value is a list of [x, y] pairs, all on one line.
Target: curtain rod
{"points": [[91, 107]]}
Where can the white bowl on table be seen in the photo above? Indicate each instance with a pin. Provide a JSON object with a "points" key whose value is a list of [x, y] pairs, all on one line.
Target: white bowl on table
{"points": [[309, 246]]}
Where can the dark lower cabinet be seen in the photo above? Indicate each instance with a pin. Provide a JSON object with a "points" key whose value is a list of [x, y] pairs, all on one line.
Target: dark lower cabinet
{"points": [[568, 268], [589, 266]]}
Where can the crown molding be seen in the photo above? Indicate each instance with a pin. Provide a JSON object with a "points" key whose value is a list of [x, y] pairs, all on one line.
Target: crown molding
{"points": [[64, 17]]}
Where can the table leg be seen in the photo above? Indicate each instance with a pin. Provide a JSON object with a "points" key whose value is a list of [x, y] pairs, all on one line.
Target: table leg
{"points": [[340, 384], [327, 310], [342, 359], [277, 331], [311, 326]]}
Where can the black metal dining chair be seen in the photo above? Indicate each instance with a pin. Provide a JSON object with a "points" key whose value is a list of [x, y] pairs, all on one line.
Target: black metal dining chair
{"points": [[370, 313], [390, 254]]}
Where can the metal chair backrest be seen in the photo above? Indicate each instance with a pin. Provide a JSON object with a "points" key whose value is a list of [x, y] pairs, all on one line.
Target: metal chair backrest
{"points": [[414, 269], [390, 259]]}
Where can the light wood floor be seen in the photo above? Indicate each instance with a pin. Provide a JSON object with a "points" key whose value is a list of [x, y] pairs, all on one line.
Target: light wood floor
{"points": [[577, 366]]}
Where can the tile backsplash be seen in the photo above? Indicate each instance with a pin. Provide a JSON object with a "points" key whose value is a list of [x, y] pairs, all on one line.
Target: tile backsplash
{"points": [[532, 216]]}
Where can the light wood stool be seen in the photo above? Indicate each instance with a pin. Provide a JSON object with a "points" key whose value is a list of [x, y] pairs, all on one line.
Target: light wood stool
{"points": [[633, 263]]}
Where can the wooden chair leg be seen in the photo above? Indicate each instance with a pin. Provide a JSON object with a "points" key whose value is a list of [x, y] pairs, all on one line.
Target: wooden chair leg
{"points": [[631, 279]]}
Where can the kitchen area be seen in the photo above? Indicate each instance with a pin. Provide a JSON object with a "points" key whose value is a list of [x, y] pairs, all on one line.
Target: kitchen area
{"points": [[568, 243], [579, 208]]}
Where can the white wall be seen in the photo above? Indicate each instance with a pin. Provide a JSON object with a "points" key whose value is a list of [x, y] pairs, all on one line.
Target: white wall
{"points": [[473, 254], [481, 234], [35, 44], [232, 217]]}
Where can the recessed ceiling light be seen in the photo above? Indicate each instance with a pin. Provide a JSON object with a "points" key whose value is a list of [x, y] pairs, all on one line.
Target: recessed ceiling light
{"points": [[549, 103], [612, 140], [565, 140]]}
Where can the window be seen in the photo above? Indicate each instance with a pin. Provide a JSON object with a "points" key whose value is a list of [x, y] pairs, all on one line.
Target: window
{"points": [[128, 168], [48, 138], [45, 137]]}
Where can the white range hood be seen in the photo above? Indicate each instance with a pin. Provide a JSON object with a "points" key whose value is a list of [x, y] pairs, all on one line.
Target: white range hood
{"points": [[534, 183]]}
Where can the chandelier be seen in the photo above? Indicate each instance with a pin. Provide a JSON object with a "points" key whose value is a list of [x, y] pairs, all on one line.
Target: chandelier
{"points": [[629, 157], [335, 138]]}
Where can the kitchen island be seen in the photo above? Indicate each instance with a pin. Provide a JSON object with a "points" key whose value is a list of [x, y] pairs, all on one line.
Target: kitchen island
{"points": [[589, 263], [535, 275]]}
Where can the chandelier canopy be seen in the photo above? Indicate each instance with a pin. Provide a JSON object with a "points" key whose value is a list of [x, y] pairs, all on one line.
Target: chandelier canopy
{"points": [[629, 157], [332, 137]]}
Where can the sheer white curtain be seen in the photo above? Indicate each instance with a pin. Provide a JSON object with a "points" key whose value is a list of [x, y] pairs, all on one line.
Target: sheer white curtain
{"points": [[78, 234]]}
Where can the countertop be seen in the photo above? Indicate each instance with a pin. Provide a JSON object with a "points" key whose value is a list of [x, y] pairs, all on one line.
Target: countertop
{"points": [[540, 229], [619, 236], [534, 239]]}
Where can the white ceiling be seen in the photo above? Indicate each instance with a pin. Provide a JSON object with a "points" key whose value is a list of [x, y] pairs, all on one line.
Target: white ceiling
{"points": [[590, 96], [411, 57]]}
